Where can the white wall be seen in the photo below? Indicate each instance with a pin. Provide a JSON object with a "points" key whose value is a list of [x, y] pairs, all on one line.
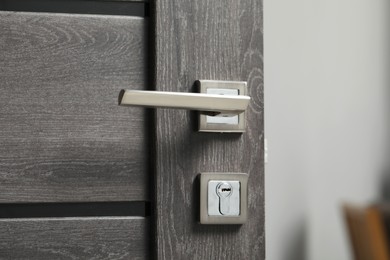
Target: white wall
{"points": [[327, 111]]}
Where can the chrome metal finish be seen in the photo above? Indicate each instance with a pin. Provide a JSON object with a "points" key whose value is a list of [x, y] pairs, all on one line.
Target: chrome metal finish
{"points": [[222, 123], [221, 104], [222, 118], [224, 190], [223, 198]]}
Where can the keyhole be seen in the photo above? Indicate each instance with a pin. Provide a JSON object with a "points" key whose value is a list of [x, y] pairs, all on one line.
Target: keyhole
{"points": [[224, 190]]}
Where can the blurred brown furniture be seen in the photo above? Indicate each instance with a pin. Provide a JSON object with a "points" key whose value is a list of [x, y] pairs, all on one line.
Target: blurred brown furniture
{"points": [[367, 232]]}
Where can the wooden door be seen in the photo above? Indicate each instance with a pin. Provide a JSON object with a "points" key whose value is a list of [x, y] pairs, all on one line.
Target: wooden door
{"points": [[83, 178]]}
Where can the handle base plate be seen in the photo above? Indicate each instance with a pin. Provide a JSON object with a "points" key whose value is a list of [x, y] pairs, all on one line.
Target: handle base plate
{"points": [[222, 123]]}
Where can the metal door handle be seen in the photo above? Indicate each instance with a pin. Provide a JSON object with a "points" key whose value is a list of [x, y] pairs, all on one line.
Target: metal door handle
{"points": [[219, 104], [222, 103]]}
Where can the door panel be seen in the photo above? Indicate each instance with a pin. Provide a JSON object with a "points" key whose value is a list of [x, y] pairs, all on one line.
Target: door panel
{"points": [[74, 238], [63, 137]]}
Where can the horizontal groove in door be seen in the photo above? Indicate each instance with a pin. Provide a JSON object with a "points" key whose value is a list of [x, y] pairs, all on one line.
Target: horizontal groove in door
{"points": [[75, 238], [132, 8], [90, 209], [63, 136]]}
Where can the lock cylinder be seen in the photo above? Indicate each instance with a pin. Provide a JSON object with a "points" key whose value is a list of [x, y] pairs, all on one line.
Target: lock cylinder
{"points": [[223, 198]]}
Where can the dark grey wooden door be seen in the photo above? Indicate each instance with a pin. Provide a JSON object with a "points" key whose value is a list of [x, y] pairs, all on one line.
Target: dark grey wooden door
{"points": [[83, 178], [217, 40]]}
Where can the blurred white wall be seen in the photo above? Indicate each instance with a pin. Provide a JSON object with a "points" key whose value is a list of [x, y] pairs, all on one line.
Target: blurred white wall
{"points": [[327, 113]]}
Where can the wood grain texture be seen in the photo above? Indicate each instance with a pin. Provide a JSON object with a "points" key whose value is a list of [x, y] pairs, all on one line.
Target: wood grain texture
{"points": [[216, 40], [72, 238], [62, 135]]}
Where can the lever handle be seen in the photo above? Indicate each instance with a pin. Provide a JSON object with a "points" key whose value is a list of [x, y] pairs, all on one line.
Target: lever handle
{"points": [[222, 103], [217, 104]]}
